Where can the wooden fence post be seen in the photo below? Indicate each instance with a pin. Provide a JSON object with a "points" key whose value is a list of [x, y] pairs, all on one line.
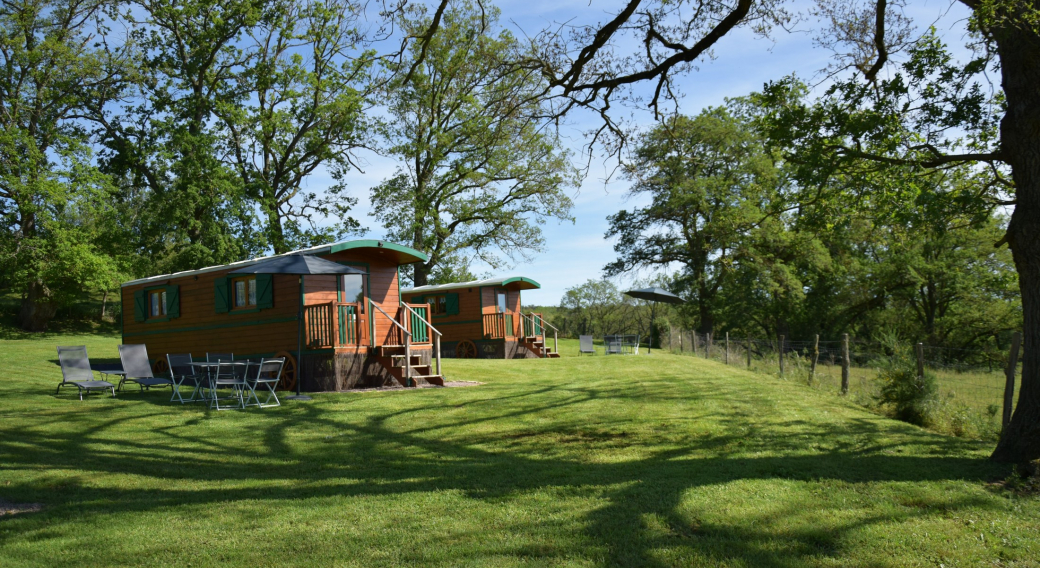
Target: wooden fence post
{"points": [[696, 340], [707, 346], [727, 348], [680, 340], [845, 363], [1009, 373], [781, 356], [815, 357], [920, 359], [749, 351]]}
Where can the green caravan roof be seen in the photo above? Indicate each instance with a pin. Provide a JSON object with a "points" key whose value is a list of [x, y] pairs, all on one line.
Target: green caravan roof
{"points": [[393, 252], [507, 282]]}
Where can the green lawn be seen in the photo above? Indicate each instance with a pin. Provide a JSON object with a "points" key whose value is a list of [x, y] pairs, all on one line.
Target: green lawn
{"points": [[968, 402], [657, 460]]}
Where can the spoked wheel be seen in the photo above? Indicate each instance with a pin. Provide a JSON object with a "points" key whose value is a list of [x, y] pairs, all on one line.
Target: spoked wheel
{"points": [[466, 350], [160, 368], [289, 373]]}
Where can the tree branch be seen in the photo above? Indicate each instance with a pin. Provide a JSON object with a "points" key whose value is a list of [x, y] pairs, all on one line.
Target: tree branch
{"points": [[879, 41]]}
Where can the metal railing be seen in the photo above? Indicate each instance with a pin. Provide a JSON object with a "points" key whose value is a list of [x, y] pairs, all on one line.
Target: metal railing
{"points": [[436, 335], [407, 342]]}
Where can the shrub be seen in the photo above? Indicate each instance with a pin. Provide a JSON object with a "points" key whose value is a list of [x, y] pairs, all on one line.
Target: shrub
{"points": [[662, 333], [908, 396]]}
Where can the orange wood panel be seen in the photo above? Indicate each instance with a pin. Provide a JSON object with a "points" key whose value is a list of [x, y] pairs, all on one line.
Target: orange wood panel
{"points": [[200, 328]]}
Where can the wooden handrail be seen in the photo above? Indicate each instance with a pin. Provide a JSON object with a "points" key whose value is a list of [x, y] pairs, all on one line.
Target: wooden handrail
{"points": [[433, 329], [436, 337], [556, 333], [395, 322], [544, 322], [407, 343]]}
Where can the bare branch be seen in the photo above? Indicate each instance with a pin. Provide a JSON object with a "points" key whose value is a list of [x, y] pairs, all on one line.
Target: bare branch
{"points": [[879, 41], [425, 38]]}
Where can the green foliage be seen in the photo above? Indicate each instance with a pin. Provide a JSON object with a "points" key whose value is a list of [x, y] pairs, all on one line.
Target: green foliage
{"points": [[167, 148], [662, 331], [710, 181], [452, 269], [54, 203], [595, 307], [762, 254], [308, 113], [907, 395], [481, 169]]}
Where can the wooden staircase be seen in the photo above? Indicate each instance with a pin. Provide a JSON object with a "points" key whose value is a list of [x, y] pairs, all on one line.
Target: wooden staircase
{"points": [[537, 346], [392, 358]]}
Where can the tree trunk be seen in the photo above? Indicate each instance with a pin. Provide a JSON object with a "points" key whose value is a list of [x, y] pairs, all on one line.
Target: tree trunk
{"points": [[421, 275], [1019, 51], [707, 317], [37, 308], [275, 231]]}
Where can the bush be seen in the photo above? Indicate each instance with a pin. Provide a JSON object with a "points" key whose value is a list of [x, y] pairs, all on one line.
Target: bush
{"points": [[908, 396], [662, 333]]}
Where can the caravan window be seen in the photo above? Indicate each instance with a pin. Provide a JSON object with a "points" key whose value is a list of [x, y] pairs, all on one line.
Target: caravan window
{"points": [[157, 300], [244, 290]]}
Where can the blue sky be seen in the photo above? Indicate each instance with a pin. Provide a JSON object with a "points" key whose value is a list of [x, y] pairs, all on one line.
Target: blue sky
{"points": [[577, 252]]}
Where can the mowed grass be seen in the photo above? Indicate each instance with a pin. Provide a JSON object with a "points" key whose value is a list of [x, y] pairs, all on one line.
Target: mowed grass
{"points": [[656, 460]]}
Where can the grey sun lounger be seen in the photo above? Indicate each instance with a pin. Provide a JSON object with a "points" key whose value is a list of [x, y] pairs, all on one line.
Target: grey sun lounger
{"points": [[136, 368], [76, 371], [585, 345]]}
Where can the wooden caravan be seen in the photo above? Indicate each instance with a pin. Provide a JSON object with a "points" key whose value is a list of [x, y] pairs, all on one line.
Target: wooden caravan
{"points": [[483, 318], [356, 329]]}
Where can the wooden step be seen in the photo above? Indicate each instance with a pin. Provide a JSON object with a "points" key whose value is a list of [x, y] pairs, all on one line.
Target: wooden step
{"points": [[398, 360], [432, 379], [554, 355]]}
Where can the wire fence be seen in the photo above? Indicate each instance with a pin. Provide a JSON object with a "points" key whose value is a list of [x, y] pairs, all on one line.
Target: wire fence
{"points": [[971, 389]]}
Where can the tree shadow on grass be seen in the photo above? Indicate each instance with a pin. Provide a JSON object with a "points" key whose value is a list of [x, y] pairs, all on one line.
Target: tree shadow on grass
{"points": [[644, 518]]}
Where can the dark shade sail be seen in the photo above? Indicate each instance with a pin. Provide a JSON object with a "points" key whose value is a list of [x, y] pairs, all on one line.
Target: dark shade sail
{"points": [[299, 264], [655, 295]]}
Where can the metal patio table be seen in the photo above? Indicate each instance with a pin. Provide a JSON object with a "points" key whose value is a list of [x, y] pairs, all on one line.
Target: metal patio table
{"points": [[207, 372]]}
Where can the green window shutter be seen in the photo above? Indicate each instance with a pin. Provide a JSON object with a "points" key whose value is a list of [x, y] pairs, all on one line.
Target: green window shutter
{"points": [[140, 306], [173, 301], [451, 304], [417, 300], [220, 295], [264, 291]]}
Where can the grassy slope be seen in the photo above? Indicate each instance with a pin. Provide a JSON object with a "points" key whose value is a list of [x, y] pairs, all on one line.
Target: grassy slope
{"points": [[593, 461]]}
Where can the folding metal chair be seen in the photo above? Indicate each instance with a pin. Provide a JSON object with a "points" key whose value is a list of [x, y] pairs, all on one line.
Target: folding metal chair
{"points": [[228, 375], [76, 371], [217, 357], [183, 375], [268, 373]]}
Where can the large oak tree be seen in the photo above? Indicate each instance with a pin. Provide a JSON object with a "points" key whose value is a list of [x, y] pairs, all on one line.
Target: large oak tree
{"points": [[480, 166]]}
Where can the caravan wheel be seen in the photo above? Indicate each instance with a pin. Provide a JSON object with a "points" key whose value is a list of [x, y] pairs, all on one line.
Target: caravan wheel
{"points": [[289, 374], [466, 350]]}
